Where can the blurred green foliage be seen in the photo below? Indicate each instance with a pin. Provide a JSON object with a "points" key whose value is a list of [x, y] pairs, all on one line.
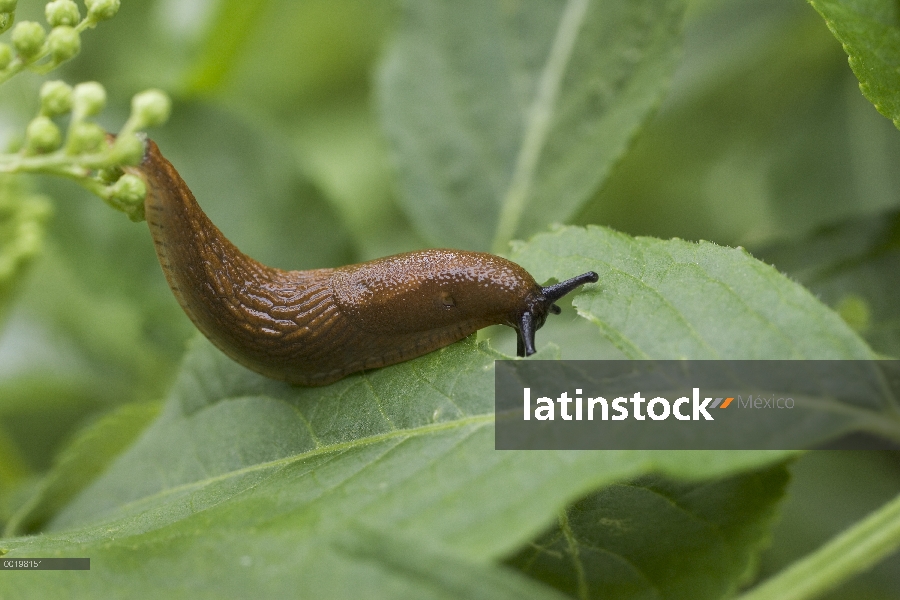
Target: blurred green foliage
{"points": [[763, 140]]}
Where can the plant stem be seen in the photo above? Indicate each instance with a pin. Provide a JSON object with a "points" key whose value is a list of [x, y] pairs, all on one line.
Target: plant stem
{"points": [[59, 160], [851, 552]]}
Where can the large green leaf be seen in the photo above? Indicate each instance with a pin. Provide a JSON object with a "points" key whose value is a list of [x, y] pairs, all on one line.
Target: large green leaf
{"points": [[282, 480], [507, 116], [869, 30], [676, 299]]}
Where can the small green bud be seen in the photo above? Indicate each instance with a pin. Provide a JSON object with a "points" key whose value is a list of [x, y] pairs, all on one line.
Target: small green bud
{"points": [[42, 135], [150, 108], [56, 98], [64, 43], [129, 189], [129, 192], [6, 55], [88, 98], [28, 38], [6, 21], [109, 175], [62, 13], [85, 138], [855, 311], [7, 6], [129, 149], [101, 10]]}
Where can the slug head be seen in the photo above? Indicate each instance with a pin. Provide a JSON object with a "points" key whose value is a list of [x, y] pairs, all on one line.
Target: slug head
{"points": [[539, 305]]}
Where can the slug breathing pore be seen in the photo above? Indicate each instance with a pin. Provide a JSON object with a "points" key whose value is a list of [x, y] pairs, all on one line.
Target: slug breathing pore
{"points": [[315, 327]]}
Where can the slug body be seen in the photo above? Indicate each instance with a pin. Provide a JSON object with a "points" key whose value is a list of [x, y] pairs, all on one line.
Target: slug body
{"points": [[315, 327]]}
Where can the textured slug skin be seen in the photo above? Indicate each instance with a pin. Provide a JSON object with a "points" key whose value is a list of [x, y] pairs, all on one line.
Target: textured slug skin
{"points": [[315, 327]]}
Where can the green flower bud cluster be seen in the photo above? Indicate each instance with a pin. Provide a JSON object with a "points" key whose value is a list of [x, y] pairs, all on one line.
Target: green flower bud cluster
{"points": [[30, 42], [86, 152], [58, 99]]}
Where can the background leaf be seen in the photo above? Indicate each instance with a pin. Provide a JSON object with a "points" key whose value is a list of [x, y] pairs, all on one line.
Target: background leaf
{"points": [[829, 492], [869, 30], [702, 549], [22, 219], [509, 115], [764, 137], [82, 461], [852, 268]]}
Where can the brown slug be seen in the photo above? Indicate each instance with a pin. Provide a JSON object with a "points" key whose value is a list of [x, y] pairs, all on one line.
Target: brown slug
{"points": [[315, 327]]}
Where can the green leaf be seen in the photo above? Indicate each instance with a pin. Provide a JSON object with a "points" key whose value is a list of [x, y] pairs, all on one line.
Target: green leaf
{"points": [[341, 149], [308, 56], [675, 299], [254, 468], [508, 116], [13, 469], [852, 267], [727, 159], [829, 492], [869, 31], [226, 37], [658, 539], [92, 450], [39, 410]]}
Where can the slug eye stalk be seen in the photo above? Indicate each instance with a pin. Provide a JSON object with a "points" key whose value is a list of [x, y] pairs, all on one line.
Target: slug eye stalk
{"points": [[533, 318]]}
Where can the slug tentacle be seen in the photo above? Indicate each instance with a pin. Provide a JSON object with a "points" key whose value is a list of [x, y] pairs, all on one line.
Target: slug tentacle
{"points": [[315, 327], [555, 292], [533, 318]]}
